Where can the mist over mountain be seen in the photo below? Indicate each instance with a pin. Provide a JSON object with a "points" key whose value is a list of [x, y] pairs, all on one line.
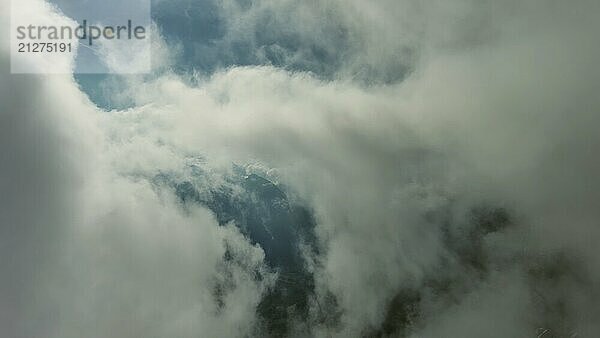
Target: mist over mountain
{"points": [[395, 168]]}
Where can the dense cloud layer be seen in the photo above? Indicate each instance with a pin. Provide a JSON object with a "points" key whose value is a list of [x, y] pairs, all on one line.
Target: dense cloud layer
{"points": [[456, 202], [89, 252]]}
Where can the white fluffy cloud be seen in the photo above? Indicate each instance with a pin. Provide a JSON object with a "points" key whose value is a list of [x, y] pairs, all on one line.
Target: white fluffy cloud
{"points": [[89, 252], [504, 114]]}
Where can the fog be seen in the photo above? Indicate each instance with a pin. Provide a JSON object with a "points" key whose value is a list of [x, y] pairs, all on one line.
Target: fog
{"points": [[445, 149]]}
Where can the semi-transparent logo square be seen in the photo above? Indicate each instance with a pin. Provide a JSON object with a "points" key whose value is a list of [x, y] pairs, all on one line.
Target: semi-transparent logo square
{"points": [[80, 36]]}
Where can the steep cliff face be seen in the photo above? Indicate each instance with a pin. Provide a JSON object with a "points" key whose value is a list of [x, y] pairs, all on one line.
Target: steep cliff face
{"points": [[265, 215]]}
